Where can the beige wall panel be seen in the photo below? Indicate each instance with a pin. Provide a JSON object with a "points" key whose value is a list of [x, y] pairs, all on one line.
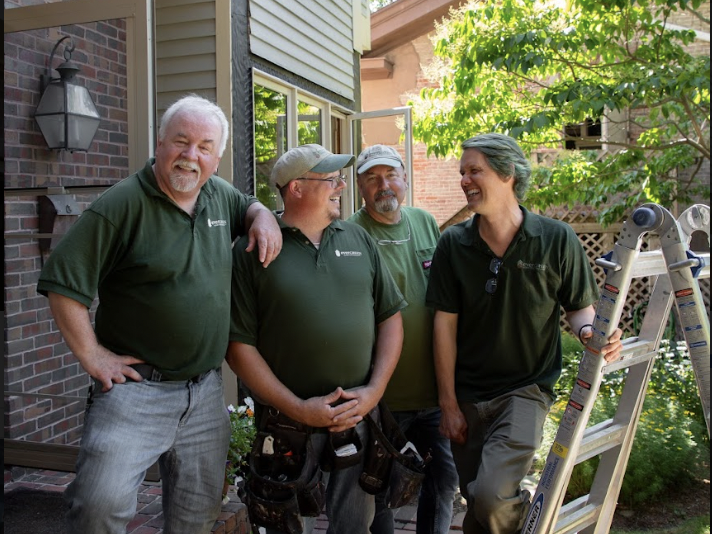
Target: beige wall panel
{"points": [[185, 30], [186, 47], [186, 64], [173, 3], [196, 12], [186, 82]]}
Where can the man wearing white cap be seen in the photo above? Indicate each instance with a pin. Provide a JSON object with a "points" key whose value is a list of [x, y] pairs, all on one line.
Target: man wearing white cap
{"points": [[315, 336], [406, 238]]}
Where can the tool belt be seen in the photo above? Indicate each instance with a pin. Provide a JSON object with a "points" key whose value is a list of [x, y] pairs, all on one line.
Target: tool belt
{"points": [[392, 463], [285, 480], [286, 483]]}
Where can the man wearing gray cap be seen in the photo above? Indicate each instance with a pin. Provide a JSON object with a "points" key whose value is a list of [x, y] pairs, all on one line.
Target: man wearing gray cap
{"points": [[406, 238], [316, 335]]}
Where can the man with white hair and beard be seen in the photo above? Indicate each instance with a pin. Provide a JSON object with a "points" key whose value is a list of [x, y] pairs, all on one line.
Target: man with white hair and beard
{"points": [[406, 239], [157, 247]]}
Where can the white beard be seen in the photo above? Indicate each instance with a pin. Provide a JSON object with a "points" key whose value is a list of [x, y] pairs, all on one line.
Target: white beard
{"points": [[184, 184]]}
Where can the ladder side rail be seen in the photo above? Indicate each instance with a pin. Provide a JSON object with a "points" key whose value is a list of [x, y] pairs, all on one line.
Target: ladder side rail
{"points": [[551, 489], [607, 482], [675, 240], [688, 297]]}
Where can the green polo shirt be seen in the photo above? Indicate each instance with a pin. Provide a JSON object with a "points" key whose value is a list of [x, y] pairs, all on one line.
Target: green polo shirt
{"points": [[162, 277], [511, 338], [312, 313], [407, 248]]}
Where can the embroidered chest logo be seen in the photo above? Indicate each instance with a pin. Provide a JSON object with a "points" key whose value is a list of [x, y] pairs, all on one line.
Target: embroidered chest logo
{"points": [[427, 263], [531, 266], [218, 222], [344, 253]]}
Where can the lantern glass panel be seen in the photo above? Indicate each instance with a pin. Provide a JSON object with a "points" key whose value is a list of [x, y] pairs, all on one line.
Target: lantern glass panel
{"points": [[81, 131], [52, 100], [79, 101], [52, 128]]}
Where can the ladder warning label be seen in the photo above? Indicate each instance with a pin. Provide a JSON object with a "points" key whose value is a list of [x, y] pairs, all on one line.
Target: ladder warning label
{"points": [[611, 288], [575, 405], [558, 449], [683, 292], [583, 384]]}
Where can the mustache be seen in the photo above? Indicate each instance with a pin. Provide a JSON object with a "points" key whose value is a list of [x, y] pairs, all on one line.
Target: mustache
{"points": [[383, 194], [189, 164]]}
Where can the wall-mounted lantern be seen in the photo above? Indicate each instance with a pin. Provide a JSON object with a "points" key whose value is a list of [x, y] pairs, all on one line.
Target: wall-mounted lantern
{"points": [[66, 114]]}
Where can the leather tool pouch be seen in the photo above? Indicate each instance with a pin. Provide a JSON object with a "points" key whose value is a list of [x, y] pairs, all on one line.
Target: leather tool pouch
{"points": [[392, 462], [285, 480], [342, 450]]}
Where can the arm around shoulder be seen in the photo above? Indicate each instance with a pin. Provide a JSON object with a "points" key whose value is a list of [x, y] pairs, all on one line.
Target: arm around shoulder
{"points": [[264, 232]]}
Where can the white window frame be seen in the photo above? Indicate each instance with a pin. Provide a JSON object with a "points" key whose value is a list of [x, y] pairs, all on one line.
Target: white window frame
{"points": [[350, 197]]}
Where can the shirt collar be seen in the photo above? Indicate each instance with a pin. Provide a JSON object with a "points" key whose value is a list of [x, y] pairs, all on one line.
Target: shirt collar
{"points": [[531, 227]]}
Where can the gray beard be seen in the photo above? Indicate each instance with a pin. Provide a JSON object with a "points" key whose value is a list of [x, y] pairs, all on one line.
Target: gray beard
{"points": [[386, 204]]}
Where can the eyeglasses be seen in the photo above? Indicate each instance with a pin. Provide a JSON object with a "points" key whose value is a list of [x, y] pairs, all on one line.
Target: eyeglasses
{"points": [[491, 284], [396, 241], [335, 180]]}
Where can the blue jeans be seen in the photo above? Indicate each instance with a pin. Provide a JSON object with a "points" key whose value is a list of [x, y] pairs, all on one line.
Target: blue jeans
{"points": [[440, 484], [349, 509], [181, 424], [502, 437]]}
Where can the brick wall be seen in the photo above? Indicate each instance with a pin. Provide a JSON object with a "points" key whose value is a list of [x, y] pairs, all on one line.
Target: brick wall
{"points": [[36, 359], [437, 187]]}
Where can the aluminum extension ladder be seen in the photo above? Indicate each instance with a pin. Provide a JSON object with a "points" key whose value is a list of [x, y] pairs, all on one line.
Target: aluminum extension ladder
{"points": [[679, 271]]}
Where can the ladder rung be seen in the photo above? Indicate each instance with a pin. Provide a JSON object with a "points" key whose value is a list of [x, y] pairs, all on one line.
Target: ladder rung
{"points": [[577, 515], [634, 351], [651, 263], [600, 438]]}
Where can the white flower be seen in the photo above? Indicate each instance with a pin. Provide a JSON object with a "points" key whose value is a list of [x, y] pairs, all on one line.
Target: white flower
{"points": [[250, 403], [230, 408]]}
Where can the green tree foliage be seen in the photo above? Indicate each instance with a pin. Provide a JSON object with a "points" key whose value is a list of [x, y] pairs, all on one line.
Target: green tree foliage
{"points": [[530, 67], [375, 5]]}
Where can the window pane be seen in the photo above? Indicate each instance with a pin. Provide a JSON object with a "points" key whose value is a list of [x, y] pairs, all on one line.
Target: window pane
{"points": [[270, 141], [309, 124]]}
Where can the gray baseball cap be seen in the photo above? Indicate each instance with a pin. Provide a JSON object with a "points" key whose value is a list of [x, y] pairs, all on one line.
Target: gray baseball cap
{"points": [[307, 158], [378, 155]]}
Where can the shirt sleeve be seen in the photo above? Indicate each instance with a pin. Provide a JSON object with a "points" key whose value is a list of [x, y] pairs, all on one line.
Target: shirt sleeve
{"points": [[82, 259], [579, 288]]}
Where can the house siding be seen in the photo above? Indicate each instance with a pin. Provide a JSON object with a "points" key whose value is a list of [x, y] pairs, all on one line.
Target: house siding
{"points": [[311, 39], [185, 51]]}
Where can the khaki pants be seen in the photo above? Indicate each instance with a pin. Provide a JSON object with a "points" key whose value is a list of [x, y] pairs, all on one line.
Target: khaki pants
{"points": [[502, 437]]}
